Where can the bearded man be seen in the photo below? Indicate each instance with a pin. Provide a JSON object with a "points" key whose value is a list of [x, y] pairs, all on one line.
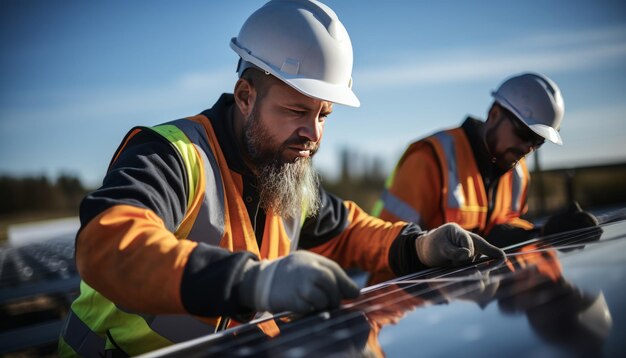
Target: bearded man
{"points": [[475, 175], [210, 219]]}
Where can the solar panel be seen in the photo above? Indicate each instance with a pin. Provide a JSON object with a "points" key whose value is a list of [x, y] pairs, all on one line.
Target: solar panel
{"points": [[557, 295], [38, 281], [38, 268]]}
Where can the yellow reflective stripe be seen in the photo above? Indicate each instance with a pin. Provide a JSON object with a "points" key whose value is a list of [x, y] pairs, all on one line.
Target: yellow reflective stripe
{"points": [[305, 207], [391, 177], [101, 315], [379, 205], [188, 153], [474, 208], [65, 350]]}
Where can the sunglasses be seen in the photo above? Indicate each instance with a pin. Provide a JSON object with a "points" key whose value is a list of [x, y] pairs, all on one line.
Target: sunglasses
{"points": [[524, 133]]}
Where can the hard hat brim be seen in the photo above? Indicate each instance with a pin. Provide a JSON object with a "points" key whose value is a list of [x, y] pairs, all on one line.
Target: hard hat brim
{"points": [[546, 132], [335, 93], [543, 130], [340, 94]]}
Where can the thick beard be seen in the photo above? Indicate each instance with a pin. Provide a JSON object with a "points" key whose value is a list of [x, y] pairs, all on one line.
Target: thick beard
{"points": [[284, 188], [287, 188]]}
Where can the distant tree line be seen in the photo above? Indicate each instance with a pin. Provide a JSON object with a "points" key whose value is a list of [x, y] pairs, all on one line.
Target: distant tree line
{"points": [[37, 194], [361, 179]]}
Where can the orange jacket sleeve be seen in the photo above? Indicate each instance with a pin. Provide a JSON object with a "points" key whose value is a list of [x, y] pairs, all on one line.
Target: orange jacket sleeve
{"points": [[128, 255], [364, 243]]}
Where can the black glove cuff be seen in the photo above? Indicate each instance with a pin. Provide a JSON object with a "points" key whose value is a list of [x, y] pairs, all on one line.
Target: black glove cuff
{"points": [[403, 258], [210, 283], [572, 218], [503, 235]]}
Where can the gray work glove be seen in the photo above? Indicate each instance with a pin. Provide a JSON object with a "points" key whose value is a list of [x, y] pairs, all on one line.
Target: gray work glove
{"points": [[450, 244], [301, 282]]}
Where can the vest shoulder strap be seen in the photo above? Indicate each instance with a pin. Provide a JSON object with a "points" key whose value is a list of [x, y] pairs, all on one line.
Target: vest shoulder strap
{"points": [[188, 153]]}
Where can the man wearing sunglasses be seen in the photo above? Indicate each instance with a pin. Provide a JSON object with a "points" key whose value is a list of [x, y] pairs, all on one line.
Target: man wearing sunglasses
{"points": [[475, 174]]}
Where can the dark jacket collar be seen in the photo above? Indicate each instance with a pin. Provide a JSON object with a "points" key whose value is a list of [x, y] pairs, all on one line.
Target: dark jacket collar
{"points": [[221, 117]]}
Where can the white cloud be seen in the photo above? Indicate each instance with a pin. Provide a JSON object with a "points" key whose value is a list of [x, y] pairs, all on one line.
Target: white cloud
{"points": [[586, 121], [575, 37], [549, 52], [190, 90]]}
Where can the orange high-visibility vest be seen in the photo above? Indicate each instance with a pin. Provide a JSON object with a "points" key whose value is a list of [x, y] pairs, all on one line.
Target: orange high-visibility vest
{"points": [[95, 323], [461, 193]]}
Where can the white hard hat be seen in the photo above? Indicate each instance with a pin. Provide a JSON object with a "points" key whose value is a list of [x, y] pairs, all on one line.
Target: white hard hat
{"points": [[303, 44], [536, 100]]}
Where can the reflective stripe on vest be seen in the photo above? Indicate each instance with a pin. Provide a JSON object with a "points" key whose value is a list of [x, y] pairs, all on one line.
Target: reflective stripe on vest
{"points": [[517, 188], [163, 329], [214, 189], [399, 207], [92, 317], [209, 226], [468, 205], [463, 195], [83, 340], [454, 200], [455, 197]]}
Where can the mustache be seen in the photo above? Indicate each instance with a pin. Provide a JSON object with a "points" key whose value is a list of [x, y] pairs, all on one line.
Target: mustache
{"points": [[516, 152], [301, 142]]}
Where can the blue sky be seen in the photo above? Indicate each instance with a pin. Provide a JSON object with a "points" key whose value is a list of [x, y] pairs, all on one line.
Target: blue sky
{"points": [[76, 75]]}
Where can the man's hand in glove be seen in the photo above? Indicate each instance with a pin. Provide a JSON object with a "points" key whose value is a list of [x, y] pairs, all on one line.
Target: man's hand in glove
{"points": [[572, 218], [450, 244], [300, 282]]}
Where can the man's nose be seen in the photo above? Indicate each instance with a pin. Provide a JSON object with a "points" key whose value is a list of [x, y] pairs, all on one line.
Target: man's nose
{"points": [[527, 146], [311, 129]]}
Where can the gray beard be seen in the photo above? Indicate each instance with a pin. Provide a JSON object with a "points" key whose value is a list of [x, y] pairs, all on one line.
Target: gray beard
{"points": [[285, 189]]}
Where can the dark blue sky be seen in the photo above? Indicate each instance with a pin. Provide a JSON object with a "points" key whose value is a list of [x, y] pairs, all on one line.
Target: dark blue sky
{"points": [[76, 75]]}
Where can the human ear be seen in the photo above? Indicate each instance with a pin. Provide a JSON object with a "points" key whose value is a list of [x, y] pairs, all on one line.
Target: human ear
{"points": [[245, 96], [496, 114]]}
